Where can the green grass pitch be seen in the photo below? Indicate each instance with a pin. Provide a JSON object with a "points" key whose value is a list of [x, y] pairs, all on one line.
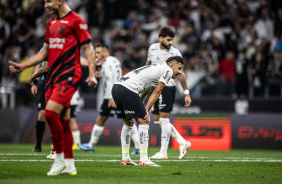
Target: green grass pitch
{"points": [[18, 165]]}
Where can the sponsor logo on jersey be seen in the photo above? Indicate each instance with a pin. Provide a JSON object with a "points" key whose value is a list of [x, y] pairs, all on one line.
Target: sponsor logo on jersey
{"points": [[64, 21], [157, 58], [129, 112], [56, 43], [166, 74], [83, 26], [62, 30]]}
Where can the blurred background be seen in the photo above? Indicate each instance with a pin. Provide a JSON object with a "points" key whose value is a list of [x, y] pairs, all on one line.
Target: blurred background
{"points": [[232, 51]]}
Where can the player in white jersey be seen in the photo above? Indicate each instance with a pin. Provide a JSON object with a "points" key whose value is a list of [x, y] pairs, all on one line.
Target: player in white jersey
{"points": [[130, 105], [110, 72], [158, 53]]}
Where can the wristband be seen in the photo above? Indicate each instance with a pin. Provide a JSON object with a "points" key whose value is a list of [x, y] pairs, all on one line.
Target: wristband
{"points": [[35, 82], [186, 92]]}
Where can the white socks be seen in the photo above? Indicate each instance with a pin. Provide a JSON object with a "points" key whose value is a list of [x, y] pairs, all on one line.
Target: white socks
{"points": [[59, 156], [134, 136], [76, 137], [143, 141], [95, 135], [125, 141], [69, 163], [176, 135], [165, 136]]}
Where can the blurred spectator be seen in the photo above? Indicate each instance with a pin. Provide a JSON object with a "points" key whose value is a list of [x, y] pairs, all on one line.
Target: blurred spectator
{"points": [[226, 72], [258, 71], [275, 74], [242, 80], [128, 27]]}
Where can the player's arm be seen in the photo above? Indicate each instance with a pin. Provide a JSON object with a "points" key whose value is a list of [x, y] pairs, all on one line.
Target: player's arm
{"points": [[34, 85], [90, 57], [155, 95], [83, 61], [182, 80], [37, 58], [144, 95], [109, 83], [43, 70]]}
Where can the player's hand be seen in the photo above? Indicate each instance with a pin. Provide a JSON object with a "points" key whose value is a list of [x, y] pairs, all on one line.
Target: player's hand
{"points": [[15, 67], [30, 80], [187, 100], [34, 89], [91, 81], [112, 103], [147, 117]]}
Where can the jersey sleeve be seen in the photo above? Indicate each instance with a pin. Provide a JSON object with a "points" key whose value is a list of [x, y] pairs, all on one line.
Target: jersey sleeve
{"points": [[81, 31], [149, 54], [166, 76]]}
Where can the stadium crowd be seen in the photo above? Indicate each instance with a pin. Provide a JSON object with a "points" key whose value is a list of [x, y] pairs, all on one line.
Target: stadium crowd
{"points": [[231, 48]]}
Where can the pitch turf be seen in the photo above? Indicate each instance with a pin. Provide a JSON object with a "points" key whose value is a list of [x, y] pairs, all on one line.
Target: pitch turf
{"points": [[19, 165]]}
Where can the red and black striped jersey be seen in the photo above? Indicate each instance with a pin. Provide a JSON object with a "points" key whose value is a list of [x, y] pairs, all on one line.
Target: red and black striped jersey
{"points": [[65, 36]]}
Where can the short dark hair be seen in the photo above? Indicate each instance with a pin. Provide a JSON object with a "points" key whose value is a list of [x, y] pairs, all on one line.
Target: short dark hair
{"points": [[176, 58], [166, 31], [104, 46]]}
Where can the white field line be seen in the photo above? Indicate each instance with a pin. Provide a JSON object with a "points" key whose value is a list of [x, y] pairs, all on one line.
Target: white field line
{"points": [[187, 158], [119, 156], [243, 160]]}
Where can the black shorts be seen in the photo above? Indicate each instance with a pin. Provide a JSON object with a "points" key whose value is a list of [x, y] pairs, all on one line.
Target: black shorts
{"points": [[41, 100], [165, 101], [73, 111], [129, 104], [107, 111]]}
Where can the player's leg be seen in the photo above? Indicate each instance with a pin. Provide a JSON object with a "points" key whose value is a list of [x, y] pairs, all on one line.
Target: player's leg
{"points": [[74, 127], [166, 101], [40, 128], [144, 143], [68, 142], [52, 113], [134, 137], [40, 124], [125, 142], [97, 130], [165, 135], [183, 144], [125, 100], [57, 115]]}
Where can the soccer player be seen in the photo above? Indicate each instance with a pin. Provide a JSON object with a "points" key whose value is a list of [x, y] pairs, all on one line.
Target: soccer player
{"points": [[130, 105], [110, 72], [43, 70], [38, 87], [66, 34], [158, 53]]}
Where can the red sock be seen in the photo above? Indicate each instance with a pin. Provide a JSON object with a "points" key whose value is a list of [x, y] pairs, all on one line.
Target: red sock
{"points": [[68, 140], [56, 130]]}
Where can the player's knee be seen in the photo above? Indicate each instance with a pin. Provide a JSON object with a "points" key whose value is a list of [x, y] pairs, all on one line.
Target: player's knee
{"points": [[41, 115]]}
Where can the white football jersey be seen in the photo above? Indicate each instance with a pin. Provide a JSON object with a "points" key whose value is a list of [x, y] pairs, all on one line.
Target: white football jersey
{"points": [[146, 78], [111, 72], [158, 55]]}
